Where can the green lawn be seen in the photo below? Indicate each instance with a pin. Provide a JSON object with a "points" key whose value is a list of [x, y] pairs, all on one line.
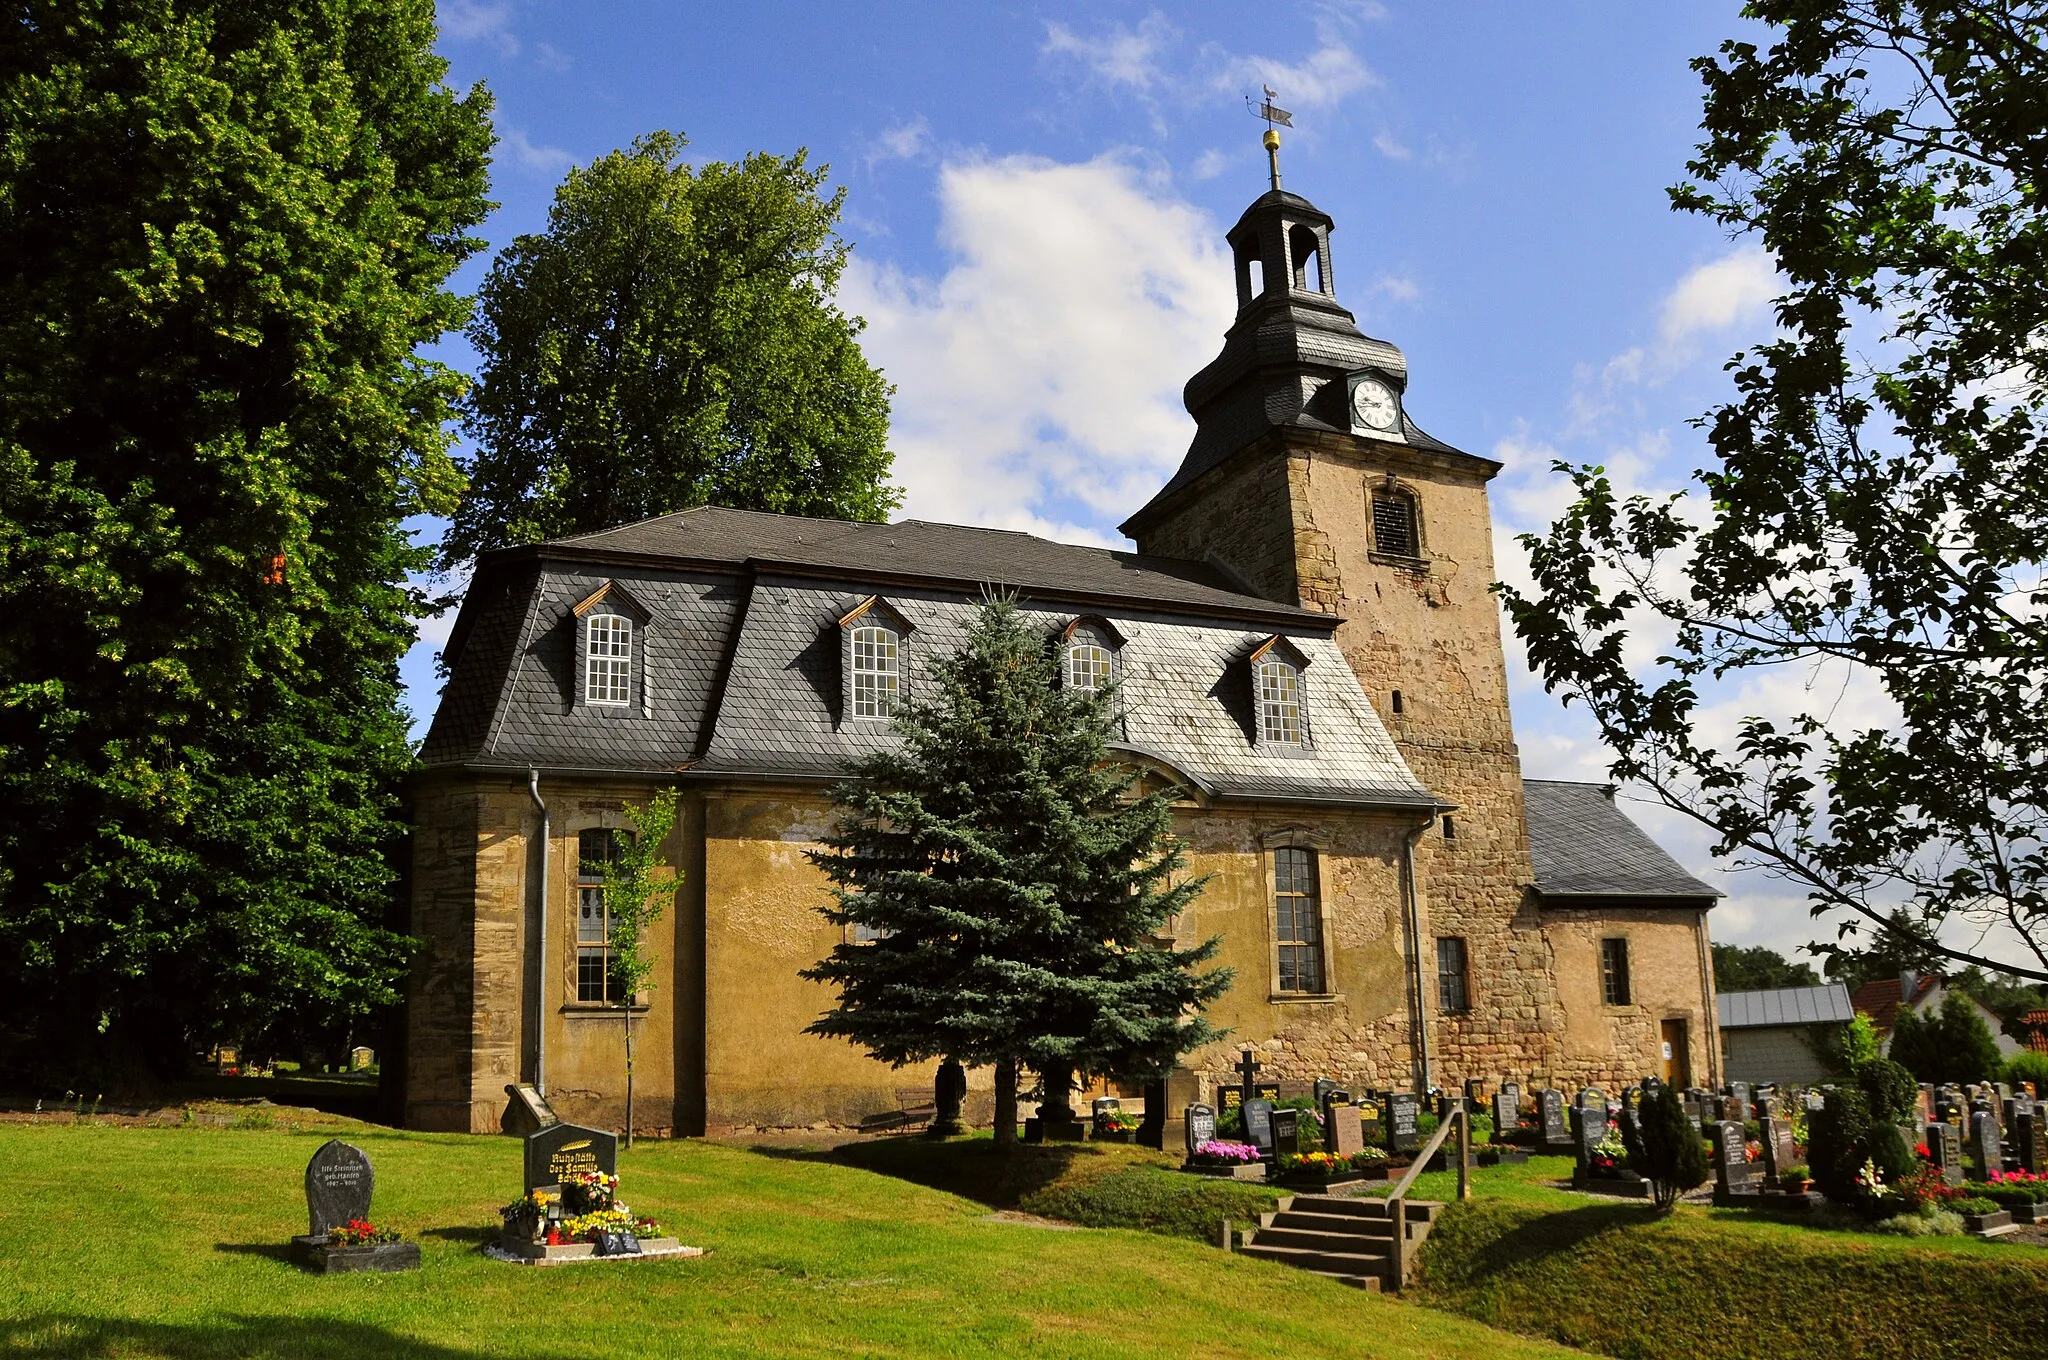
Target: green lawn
{"points": [[169, 1242]]}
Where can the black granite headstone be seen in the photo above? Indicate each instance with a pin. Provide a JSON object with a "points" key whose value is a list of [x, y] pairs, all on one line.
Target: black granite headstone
{"points": [[1557, 1133], [1987, 1154], [554, 1155], [1505, 1116], [1286, 1133], [339, 1182], [1734, 1171], [1780, 1152], [1404, 1132], [2030, 1139], [1199, 1122], [1258, 1124]]}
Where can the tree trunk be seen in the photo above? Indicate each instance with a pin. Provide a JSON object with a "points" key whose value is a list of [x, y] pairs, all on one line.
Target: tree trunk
{"points": [[1006, 1103], [629, 1076]]}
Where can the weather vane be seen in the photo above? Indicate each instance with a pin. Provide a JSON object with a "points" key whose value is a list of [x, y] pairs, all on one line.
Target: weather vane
{"points": [[1276, 118]]}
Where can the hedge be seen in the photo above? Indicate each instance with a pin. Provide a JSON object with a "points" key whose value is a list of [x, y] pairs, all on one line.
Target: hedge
{"points": [[1618, 1280]]}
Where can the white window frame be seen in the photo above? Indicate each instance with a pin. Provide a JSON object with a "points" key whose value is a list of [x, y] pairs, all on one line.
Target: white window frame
{"points": [[1277, 689], [608, 639], [1091, 661], [877, 687]]}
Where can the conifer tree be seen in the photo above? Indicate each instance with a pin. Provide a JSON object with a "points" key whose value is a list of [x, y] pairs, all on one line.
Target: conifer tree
{"points": [[1667, 1150], [1014, 884]]}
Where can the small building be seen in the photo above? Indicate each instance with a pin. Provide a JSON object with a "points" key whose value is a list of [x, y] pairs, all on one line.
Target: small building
{"points": [[1923, 994], [1769, 1036]]}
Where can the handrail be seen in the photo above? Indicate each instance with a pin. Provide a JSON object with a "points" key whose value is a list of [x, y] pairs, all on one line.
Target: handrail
{"points": [[1397, 1204]]}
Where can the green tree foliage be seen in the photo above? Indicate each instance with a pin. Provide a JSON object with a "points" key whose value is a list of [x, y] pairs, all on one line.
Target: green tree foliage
{"points": [[1666, 1150], [1872, 507], [1843, 1137], [1889, 1089], [225, 232], [639, 884], [2004, 995], [1843, 1049], [2027, 1066], [1951, 1045], [1758, 969], [671, 341], [1014, 882]]}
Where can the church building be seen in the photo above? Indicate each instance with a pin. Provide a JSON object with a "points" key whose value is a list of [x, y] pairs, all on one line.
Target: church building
{"points": [[1306, 646]]}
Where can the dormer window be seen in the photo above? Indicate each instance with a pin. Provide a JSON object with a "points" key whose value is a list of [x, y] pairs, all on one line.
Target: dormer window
{"points": [[610, 673], [876, 682], [607, 659], [1277, 694], [1089, 653], [873, 660]]}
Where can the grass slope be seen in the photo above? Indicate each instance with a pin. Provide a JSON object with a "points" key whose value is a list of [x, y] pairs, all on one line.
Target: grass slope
{"points": [[169, 1242], [1616, 1278]]}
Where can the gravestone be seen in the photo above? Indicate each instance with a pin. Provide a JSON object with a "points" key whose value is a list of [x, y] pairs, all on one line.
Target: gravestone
{"points": [[361, 1059], [1589, 1130], [1733, 1107], [1152, 1129], [1766, 1104], [1780, 1151], [554, 1155], [1475, 1095], [949, 1094], [1986, 1153], [1258, 1125], [1372, 1125], [1740, 1091], [1343, 1133], [2030, 1139], [1248, 1076], [339, 1181], [1923, 1103], [1945, 1146], [1286, 1133], [1505, 1116], [1322, 1092], [1199, 1126], [527, 1112], [1404, 1133], [1104, 1105], [1735, 1174], [1229, 1098], [1557, 1133]]}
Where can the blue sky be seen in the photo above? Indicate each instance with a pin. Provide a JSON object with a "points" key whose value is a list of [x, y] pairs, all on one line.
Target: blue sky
{"points": [[1037, 196]]}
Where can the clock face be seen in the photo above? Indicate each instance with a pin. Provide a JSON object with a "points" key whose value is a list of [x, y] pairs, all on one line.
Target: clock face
{"points": [[1373, 403]]}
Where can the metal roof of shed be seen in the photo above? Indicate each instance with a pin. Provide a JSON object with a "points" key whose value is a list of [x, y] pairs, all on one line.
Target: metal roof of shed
{"points": [[1824, 1005]]}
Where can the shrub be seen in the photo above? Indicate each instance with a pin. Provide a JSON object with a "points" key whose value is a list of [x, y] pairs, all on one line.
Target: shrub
{"points": [[2028, 1066], [1667, 1152], [1153, 1200], [1888, 1088], [1952, 1045], [1843, 1140], [1926, 1223], [1974, 1204]]}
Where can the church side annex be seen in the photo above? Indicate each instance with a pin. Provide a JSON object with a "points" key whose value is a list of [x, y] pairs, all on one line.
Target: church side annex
{"points": [[1306, 646]]}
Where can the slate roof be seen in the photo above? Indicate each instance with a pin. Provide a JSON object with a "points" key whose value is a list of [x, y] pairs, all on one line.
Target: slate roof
{"points": [[740, 657], [1586, 847], [916, 550], [1823, 1005]]}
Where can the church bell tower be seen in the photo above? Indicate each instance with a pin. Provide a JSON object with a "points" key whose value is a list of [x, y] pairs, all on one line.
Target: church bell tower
{"points": [[1309, 481]]}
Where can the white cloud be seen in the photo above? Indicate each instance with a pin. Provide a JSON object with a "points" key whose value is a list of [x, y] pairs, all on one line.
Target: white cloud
{"points": [[1120, 55], [479, 21], [1714, 299], [1398, 287], [1390, 146], [1038, 381], [1320, 80], [1211, 163], [905, 141], [530, 156]]}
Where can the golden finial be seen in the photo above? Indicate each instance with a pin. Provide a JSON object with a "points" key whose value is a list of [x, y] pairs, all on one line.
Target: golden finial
{"points": [[1276, 118]]}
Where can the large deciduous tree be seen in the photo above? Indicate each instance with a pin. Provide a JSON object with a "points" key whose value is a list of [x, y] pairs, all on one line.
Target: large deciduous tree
{"points": [[1010, 884], [225, 232], [671, 341], [1874, 507]]}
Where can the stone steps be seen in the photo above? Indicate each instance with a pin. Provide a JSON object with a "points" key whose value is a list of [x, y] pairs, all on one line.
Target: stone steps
{"points": [[1344, 1239]]}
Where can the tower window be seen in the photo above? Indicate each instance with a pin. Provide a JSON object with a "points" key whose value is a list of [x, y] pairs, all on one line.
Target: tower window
{"points": [[1450, 828], [1393, 524], [875, 678], [1453, 995], [1279, 702], [1614, 988], [607, 659], [1310, 273], [1298, 920], [1397, 701]]}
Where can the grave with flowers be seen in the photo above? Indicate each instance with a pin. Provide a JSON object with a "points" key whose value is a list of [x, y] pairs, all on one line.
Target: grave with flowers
{"points": [[340, 1236], [571, 1210]]}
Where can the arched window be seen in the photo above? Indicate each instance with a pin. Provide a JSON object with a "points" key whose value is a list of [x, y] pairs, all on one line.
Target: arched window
{"points": [[1279, 702], [877, 680], [1311, 272], [607, 659], [1396, 530], [1089, 659]]}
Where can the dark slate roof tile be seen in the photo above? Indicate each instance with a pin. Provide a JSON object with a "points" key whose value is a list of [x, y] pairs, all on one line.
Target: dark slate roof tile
{"points": [[1585, 846]]}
